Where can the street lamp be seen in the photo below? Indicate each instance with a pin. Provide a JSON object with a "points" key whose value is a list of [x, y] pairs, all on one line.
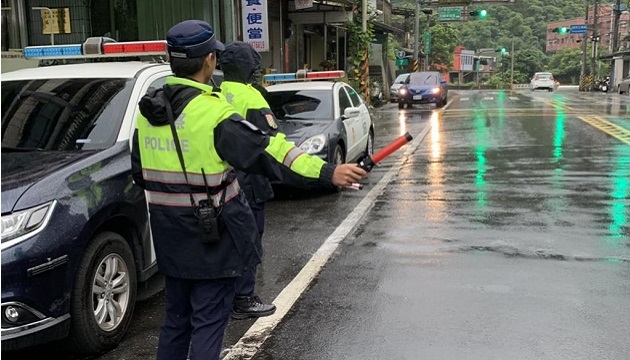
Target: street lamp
{"points": [[50, 12]]}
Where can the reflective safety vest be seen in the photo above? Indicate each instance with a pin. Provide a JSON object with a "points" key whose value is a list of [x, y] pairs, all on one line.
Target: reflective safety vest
{"points": [[245, 98], [161, 168]]}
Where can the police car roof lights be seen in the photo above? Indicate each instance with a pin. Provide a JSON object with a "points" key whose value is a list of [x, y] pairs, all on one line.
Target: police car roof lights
{"points": [[302, 75], [96, 47]]}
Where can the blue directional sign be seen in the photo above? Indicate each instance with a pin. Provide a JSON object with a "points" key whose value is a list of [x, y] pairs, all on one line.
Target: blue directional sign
{"points": [[400, 54], [577, 29]]}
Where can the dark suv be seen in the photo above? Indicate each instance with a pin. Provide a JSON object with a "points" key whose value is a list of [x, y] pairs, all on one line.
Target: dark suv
{"points": [[75, 235]]}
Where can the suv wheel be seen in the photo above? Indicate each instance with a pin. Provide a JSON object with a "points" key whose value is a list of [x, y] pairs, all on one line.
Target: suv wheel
{"points": [[104, 294]]}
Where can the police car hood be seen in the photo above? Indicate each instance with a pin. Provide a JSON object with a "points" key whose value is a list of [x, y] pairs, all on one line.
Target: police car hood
{"points": [[22, 170], [239, 62], [153, 104]]}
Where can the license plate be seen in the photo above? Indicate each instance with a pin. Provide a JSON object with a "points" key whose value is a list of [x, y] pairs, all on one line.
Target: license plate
{"points": [[417, 97]]}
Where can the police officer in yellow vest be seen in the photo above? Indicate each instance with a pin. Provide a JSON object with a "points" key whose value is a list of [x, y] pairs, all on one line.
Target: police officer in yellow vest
{"points": [[193, 196], [240, 63]]}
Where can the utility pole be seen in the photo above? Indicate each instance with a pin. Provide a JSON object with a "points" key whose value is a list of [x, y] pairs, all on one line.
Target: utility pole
{"points": [[615, 41], [512, 66], [416, 65], [595, 36], [426, 54], [584, 47], [364, 11]]}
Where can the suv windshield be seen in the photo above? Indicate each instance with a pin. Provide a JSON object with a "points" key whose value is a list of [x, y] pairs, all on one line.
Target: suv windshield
{"points": [[301, 104], [63, 114]]}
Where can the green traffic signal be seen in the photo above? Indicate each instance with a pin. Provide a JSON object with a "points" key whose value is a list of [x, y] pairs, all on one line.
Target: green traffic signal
{"points": [[481, 14], [563, 30]]}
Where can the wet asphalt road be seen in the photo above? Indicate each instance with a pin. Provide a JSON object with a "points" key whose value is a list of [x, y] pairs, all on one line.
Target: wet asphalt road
{"points": [[505, 235]]}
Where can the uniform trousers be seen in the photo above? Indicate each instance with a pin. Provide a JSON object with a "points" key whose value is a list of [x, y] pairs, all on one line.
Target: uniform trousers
{"points": [[197, 313], [246, 283]]}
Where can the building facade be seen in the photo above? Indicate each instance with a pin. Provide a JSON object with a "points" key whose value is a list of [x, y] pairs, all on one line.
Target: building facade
{"points": [[556, 41]]}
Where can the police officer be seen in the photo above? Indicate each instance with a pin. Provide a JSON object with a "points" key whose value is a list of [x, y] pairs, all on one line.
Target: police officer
{"points": [[186, 166], [240, 63]]}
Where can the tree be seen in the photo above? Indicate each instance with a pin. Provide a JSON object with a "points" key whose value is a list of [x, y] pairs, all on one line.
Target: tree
{"points": [[444, 38], [529, 61], [565, 65]]}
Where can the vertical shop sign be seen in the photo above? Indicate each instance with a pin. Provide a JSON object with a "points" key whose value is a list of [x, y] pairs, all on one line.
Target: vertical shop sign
{"points": [[255, 24]]}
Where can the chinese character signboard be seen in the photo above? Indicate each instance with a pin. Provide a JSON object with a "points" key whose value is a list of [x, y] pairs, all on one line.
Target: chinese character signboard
{"points": [[450, 13], [255, 24], [578, 29], [303, 4], [427, 43], [58, 24]]}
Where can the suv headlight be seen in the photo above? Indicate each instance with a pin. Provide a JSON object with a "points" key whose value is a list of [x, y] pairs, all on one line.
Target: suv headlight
{"points": [[25, 222], [314, 144]]}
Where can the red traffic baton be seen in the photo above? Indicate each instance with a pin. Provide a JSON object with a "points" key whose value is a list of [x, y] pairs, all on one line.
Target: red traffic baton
{"points": [[368, 162]]}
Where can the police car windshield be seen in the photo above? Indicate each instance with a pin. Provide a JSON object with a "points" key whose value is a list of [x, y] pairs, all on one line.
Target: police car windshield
{"points": [[301, 104], [63, 114]]}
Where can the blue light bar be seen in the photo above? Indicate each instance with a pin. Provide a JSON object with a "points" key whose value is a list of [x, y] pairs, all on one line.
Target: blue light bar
{"points": [[54, 51], [280, 77]]}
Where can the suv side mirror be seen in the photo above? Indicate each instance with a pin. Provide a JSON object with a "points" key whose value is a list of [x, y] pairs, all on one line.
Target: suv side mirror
{"points": [[351, 112]]}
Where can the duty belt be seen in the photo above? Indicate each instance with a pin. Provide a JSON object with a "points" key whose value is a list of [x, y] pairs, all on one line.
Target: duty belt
{"points": [[183, 199]]}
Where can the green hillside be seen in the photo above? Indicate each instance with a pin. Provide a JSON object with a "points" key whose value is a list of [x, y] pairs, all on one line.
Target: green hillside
{"points": [[525, 22]]}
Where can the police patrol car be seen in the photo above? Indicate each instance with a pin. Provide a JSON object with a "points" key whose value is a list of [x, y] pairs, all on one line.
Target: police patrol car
{"points": [[75, 236], [324, 118]]}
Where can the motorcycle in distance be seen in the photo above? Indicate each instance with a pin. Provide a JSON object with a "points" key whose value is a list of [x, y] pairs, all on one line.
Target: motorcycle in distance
{"points": [[376, 94], [602, 84]]}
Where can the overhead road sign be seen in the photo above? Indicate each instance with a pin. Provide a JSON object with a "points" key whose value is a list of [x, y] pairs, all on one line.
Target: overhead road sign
{"points": [[578, 29], [450, 13]]}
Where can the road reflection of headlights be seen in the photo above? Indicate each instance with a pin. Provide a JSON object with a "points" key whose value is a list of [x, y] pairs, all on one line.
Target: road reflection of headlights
{"points": [[314, 144], [25, 222], [436, 90], [402, 91]]}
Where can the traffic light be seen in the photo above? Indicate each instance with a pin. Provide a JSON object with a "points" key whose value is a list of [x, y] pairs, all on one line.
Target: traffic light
{"points": [[479, 13], [562, 30], [501, 51]]}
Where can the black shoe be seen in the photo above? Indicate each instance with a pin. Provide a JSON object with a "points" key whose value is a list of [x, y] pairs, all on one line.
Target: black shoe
{"points": [[251, 307]]}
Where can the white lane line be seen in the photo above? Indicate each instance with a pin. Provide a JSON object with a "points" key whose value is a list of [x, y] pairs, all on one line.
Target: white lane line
{"points": [[514, 98], [252, 340], [464, 99], [488, 98]]}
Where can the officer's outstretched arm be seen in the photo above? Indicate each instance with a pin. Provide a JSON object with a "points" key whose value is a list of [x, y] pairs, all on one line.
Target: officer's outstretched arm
{"points": [[249, 149]]}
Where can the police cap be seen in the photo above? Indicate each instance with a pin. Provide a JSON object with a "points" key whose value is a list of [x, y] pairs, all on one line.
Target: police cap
{"points": [[192, 39]]}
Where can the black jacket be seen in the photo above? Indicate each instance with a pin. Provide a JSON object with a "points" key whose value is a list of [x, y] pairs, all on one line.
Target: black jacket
{"points": [[240, 64], [175, 230]]}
